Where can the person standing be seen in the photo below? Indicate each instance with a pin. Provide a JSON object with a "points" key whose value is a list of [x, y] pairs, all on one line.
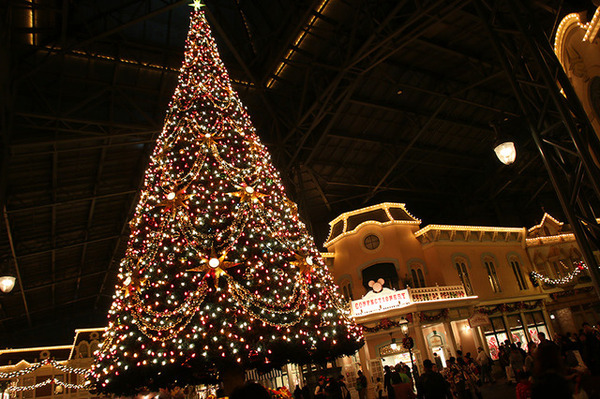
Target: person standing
{"points": [[320, 389], [361, 385], [298, 392], [516, 361], [431, 384], [387, 382], [343, 387], [438, 362], [333, 389], [485, 364], [379, 389]]}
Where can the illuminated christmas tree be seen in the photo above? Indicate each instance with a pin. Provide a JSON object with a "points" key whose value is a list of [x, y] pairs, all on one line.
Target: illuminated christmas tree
{"points": [[219, 270]]}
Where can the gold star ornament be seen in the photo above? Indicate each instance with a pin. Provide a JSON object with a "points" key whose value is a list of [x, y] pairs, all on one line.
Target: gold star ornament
{"points": [[214, 263]]}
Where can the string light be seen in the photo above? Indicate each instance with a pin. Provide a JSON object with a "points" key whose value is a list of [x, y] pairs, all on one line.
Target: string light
{"points": [[53, 363], [579, 267]]}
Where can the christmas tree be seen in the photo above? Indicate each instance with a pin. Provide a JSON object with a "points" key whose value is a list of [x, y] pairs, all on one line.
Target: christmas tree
{"points": [[219, 270]]}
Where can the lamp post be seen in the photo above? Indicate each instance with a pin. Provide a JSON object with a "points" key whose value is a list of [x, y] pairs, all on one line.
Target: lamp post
{"points": [[408, 343]]}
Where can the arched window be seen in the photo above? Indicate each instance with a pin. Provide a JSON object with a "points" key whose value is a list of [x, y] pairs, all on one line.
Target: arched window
{"points": [[346, 288], [417, 277], [463, 275], [386, 271], [516, 267], [490, 267]]}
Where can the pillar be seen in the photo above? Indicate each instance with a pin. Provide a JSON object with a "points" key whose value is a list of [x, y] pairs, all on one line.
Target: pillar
{"points": [[450, 335], [507, 327], [548, 322]]}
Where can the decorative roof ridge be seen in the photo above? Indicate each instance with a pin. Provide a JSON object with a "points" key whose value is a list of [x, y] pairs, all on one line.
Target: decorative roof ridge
{"points": [[468, 228], [33, 349], [383, 205], [546, 216]]}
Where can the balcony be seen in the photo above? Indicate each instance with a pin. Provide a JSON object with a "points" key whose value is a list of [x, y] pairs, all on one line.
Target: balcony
{"points": [[436, 293], [388, 299]]}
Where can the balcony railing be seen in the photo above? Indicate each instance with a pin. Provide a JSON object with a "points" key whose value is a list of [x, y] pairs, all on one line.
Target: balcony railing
{"points": [[436, 293]]}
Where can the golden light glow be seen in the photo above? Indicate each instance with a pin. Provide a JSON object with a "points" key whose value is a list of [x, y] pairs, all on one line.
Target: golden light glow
{"points": [[469, 228], [297, 43], [546, 216], [31, 23], [385, 206]]}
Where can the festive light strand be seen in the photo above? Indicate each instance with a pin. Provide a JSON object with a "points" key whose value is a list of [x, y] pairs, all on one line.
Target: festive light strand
{"points": [[578, 269], [52, 362]]}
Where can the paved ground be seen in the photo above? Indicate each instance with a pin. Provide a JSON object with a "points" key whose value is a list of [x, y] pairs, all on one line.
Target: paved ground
{"points": [[499, 390]]}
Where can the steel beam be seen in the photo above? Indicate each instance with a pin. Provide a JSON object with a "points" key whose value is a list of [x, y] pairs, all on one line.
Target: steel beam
{"points": [[537, 78]]}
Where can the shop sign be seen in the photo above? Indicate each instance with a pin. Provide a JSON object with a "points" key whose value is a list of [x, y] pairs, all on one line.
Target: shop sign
{"points": [[479, 319], [379, 302]]}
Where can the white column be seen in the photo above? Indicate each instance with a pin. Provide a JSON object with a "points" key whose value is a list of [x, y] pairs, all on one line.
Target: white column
{"points": [[450, 334]]}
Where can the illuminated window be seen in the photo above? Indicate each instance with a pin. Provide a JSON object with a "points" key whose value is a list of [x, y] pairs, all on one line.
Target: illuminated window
{"points": [[518, 274], [418, 279], [492, 276], [463, 275]]}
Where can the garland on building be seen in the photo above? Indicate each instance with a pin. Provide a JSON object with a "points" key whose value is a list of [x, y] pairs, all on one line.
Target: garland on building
{"points": [[54, 363], [505, 307], [442, 314], [536, 277], [557, 295], [56, 381], [386, 324]]}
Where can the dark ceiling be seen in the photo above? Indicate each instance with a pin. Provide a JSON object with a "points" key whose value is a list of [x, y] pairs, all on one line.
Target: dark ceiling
{"points": [[358, 101]]}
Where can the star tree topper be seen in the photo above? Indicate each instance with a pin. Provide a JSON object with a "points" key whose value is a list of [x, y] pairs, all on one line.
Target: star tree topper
{"points": [[197, 4]]}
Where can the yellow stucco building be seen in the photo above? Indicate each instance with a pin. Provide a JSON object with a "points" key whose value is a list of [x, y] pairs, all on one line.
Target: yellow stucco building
{"points": [[455, 287]]}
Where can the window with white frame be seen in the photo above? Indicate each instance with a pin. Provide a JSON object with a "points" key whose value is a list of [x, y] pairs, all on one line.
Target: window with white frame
{"points": [[417, 276], [490, 267], [516, 267], [463, 275]]}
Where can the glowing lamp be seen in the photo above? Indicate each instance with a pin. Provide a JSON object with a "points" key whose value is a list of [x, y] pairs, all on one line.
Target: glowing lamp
{"points": [[504, 145], [7, 283], [394, 345], [214, 262], [404, 328], [506, 152]]}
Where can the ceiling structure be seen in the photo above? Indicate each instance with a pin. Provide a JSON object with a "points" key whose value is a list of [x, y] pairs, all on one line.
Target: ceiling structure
{"points": [[359, 102]]}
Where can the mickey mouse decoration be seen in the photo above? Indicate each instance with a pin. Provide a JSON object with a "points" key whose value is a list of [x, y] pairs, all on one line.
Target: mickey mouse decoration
{"points": [[377, 285]]}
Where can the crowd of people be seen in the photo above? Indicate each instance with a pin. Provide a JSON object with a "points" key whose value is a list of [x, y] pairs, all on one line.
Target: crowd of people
{"points": [[566, 367]]}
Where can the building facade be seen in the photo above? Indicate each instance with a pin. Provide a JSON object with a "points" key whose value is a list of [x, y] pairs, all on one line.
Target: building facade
{"points": [[454, 287]]}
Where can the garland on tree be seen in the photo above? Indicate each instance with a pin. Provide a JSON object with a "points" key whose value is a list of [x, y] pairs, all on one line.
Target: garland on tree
{"points": [[536, 277]]}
